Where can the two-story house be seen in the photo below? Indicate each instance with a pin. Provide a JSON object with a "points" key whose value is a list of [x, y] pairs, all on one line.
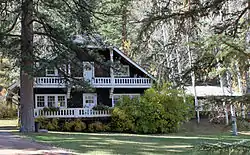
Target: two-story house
{"points": [[51, 89]]}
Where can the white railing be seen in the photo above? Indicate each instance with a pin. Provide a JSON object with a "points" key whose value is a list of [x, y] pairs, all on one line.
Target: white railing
{"points": [[72, 113], [97, 82], [49, 81], [122, 82]]}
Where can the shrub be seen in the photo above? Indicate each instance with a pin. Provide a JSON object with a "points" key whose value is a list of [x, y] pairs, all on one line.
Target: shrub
{"points": [[43, 122], [52, 109], [76, 125], [242, 124], [53, 125], [122, 120], [159, 110], [67, 126], [101, 107], [79, 125], [7, 112], [96, 127]]}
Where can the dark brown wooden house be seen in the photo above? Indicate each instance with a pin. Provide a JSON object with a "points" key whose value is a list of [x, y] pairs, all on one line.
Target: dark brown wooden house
{"points": [[108, 83]]}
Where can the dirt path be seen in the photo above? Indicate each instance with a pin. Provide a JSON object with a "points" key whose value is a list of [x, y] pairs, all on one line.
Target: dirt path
{"points": [[15, 145]]}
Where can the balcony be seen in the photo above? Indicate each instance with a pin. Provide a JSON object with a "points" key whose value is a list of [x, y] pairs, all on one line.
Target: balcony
{"points": [[97, 82], [121, 82], [49, 82], [72, 113]]}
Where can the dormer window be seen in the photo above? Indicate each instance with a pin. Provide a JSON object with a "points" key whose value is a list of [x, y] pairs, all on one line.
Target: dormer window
{"points": [[51, 71], [121, 71]]}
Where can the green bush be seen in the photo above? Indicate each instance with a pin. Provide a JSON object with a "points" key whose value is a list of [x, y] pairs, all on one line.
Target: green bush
{"points": [[79, 125], [6, 112], [242, 124], [97, 127], [159, 110], [48, 124], [51, 109], [67, 126], [53, 125], [101, 107], [43, 122], [76, 125], [122, 120]]}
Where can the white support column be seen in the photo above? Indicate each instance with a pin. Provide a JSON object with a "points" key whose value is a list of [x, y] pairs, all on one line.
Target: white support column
{"points": [[45, 101], [111, 68], [69, 71], [112, 98], [56, 101]]}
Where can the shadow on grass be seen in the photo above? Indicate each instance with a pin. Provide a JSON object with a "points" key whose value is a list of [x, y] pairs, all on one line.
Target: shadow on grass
{"points": [[89, 143], [8, 128]]}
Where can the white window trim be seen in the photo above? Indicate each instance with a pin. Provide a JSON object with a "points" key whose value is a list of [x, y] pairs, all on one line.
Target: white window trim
{"points": [[92, 67], [89, 94], [56, 72], [127, 74], [46, 100], [121, 95]]}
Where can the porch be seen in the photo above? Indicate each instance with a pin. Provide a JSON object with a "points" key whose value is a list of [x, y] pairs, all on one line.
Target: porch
{"points": [[96, 82], [72, 113]]}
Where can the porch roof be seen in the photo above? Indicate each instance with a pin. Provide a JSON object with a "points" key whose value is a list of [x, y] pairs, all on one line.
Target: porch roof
{"points": [[204, 91]]}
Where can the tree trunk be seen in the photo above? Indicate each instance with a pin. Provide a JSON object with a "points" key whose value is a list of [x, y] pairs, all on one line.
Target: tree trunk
{"points": [[124, 28], [26, 76]]}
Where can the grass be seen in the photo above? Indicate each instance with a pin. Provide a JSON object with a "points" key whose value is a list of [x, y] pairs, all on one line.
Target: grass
{"points": [[181, 143], [93, 143], [8, 123]]}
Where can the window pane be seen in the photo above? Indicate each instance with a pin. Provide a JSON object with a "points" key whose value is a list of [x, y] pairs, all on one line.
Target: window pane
{"points": [[40, 101], [61, 101], [51, 101], [89, 101], [50, 71], [121, 71]]}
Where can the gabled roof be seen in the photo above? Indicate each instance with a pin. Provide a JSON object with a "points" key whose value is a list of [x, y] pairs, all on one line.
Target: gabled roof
{"points": [[133, 63], [119, 52], [95, 41]]}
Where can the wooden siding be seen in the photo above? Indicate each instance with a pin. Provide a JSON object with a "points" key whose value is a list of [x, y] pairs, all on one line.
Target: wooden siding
{"points": [[132, 69], [103, 96], [76, 67], [75, 100], [76, 97], [129, 90], [50, 91]]}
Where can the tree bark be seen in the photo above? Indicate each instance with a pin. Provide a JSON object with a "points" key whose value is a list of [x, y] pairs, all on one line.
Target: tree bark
{"points": [[124, 28], [26, 71]]}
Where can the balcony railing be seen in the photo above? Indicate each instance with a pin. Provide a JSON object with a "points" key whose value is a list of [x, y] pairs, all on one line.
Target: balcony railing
{"points": [[72, 113], [122, 82], [97, 82], [49, 82]]}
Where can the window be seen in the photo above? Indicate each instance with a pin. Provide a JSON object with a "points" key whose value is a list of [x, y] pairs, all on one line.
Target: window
{"points": [[50, 100], [51, 71], [61, 101], [89, 100], [121, 71], [117, 97], [40, 100]]}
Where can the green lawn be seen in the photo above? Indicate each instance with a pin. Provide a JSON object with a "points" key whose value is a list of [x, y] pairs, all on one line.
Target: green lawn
{"points": [[8, 123], [181, 143], [92, 143]]}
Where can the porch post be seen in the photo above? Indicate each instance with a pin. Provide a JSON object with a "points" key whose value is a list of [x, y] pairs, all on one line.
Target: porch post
{"points": [[112, 98], [111, 68]]}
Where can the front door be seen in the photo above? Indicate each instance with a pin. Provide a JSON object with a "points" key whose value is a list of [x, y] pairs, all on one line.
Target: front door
{"points": [[88, 71], [89, 100]]}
